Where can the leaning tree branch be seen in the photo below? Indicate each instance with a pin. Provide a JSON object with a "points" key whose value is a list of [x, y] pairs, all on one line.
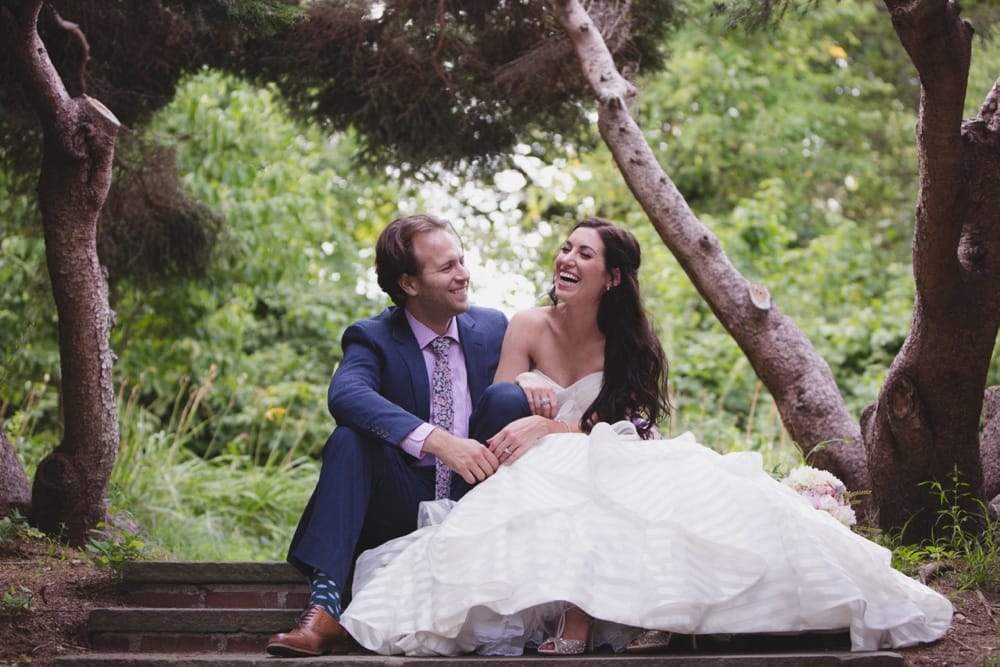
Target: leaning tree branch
{"points": [[811, 407]]}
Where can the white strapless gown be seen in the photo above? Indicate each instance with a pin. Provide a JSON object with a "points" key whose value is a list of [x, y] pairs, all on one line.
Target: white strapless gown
{"points": [[658, 534]]}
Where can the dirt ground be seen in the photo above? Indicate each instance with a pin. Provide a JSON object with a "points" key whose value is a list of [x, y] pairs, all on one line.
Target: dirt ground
{"points": [[59, 587]]}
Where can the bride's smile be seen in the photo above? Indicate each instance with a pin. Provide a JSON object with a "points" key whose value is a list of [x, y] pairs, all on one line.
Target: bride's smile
{"points": [[579, 266]]}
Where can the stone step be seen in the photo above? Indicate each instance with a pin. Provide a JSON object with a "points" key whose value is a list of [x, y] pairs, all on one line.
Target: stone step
{"points": [[236, 585], [801, 659], [145, 630], [221, 614]]}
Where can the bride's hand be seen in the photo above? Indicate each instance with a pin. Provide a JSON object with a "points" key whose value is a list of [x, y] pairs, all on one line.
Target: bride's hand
{"points": [[541, 397], [517, 437]]}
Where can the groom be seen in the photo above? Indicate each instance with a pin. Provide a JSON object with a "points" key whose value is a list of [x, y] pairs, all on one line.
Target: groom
{"points": [[411, 412]]}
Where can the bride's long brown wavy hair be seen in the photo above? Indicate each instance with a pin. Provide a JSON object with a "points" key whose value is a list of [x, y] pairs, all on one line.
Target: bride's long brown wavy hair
{"points": [[635, 366]]}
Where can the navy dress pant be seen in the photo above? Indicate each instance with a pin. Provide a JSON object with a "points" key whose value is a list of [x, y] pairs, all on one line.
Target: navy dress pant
{"points": [[368, 491]]}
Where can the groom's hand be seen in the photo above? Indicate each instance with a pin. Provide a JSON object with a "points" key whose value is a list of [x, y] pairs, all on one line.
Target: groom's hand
{"points": [[465, 456]]}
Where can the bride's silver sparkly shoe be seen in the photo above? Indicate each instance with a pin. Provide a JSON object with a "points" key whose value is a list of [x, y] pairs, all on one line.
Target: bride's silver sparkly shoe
{"points": [[649, 641], [558, 645]]}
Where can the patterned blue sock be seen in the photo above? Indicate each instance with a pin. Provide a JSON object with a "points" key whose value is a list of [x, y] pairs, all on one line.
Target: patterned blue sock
{"points": [[325, 593]]}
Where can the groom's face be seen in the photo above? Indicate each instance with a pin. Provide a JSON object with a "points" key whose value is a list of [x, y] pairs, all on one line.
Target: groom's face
{"points": [[440, 290]]}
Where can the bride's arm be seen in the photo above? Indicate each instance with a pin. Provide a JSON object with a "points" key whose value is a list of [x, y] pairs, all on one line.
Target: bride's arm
{"points": [[517, 358], [515, 354]]}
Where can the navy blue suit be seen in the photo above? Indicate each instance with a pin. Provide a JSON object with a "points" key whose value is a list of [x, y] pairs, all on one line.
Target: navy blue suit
{"points": [[368, 489]]}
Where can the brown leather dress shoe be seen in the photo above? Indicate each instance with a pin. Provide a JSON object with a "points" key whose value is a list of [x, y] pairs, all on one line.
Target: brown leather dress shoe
{"points": [[317, 633]]}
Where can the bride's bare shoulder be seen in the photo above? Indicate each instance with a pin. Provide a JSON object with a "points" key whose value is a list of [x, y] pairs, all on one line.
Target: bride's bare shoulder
{"points": [[531, 319]]}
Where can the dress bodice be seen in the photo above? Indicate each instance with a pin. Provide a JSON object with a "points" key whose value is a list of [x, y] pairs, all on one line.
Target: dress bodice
{"points": [[575, 398]]}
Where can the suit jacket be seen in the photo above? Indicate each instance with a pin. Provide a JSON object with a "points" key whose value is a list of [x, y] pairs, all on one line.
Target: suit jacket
{"points": [[380, 387]]}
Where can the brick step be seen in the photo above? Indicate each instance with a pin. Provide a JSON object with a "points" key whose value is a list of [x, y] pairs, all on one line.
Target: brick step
{"points": [[145, 630], [801, 659], [199, 614], [236, 585]]}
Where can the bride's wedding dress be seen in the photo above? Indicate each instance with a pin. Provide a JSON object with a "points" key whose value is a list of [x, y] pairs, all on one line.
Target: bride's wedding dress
{"points": [[657, 534]]}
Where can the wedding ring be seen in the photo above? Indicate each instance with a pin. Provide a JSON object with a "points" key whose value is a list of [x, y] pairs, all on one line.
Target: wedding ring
{"points": [[506, 450], [545, 401]]}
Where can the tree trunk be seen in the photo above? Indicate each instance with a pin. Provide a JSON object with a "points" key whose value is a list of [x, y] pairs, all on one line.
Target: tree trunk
{"points": [[922, 433], [811, 407], [989, 448], [79, 140], [15, 493]]}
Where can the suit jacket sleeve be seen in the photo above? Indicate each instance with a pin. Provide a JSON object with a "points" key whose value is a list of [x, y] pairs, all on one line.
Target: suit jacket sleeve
{"points": [[373, 389]]}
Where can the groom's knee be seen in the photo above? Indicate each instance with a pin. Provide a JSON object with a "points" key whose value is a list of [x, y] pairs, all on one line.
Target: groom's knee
{"points": [[501, 403]]}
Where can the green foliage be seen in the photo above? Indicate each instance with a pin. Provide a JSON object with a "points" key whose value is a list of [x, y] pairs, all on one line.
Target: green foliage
{"points": [[113, 552], [267, 318], [15, 529], [28, 343], [240, 503], [16, 600], [965, 541], [971, 534]]}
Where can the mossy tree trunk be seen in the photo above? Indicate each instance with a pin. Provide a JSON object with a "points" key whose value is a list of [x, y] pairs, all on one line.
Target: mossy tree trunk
{"points": [[68, 494], [924, 426]]}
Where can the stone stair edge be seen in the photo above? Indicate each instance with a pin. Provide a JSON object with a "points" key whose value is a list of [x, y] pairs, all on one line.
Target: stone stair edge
{"points": [[194, 620], [799, 659], [138, 572]]}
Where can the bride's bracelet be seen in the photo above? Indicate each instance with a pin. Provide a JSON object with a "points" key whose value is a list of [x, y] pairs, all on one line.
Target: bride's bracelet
{"points": [[569, 429]]}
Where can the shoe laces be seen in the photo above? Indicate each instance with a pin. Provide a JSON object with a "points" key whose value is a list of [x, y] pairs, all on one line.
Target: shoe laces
{"points": [[307, 614]]}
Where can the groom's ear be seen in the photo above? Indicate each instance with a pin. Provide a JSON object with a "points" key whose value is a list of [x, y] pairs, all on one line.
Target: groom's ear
{"points": [[407, 283]]}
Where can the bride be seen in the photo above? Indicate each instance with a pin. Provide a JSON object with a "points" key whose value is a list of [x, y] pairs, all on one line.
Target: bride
{"points": [[602, 530]]}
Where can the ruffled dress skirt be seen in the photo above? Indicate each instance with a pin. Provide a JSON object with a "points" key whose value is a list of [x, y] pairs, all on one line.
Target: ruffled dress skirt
{"points": [[659, 534]]}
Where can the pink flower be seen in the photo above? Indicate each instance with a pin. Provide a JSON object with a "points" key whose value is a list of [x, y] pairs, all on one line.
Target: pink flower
{"points": [[823, 491]]}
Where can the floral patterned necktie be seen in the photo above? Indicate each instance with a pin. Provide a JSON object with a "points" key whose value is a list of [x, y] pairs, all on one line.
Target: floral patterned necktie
{"points": [[442, 409]]}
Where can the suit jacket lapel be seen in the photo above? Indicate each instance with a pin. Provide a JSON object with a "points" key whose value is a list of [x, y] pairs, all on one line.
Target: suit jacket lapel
{"points": [[415, 371], [474, 348]]}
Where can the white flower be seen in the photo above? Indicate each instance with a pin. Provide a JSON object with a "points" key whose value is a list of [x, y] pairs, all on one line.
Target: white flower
{"points": [[823, 491]]}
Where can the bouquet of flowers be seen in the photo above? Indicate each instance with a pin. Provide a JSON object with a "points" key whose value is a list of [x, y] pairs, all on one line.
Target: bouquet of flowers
{"points": [[823, 491]]}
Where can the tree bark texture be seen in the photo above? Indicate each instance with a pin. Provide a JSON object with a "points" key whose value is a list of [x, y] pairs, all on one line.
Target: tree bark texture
{"points": [[990, 450], [808, 400], [923, 431], [79, 140], [15, 492]]}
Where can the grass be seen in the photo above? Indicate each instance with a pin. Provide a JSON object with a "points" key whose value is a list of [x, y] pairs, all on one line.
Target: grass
{"points": [[965, 541], [240, 504]]}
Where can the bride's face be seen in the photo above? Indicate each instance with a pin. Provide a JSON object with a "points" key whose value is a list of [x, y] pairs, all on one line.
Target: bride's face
{"points": [[580, 272]]}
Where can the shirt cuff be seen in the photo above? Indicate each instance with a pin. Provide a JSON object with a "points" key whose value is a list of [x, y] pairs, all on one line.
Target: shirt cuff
{"points": [[413, 444]]}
